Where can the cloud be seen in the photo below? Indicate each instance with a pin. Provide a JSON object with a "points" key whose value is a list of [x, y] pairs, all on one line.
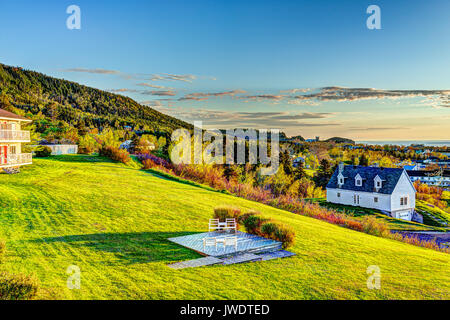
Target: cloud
{"points": [[260, 97], [376, 128], [149, 85], [225, 119], [173, 77], [353, 94], [292, 91], [343, 94], [201, 96], [95, 71], [157, 104], [170, 93], [123, 90]]}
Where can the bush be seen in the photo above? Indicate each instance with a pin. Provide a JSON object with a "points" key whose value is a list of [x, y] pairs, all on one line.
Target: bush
{"points": [[373, 226], [85, 150], [278, 232], [2, 249], [43, 152], [223, 213], [285, 235], [18, 287], [268, 229], [115, 154], [253, 223]]}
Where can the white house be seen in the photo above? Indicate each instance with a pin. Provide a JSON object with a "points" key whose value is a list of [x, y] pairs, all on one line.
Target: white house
{"points": [[11, 139], [386, 189]]}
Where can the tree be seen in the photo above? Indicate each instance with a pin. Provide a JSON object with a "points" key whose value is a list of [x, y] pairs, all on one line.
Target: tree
{"points": [[324, 174], [299, 172], [230, 172], [285, 161], [363, 161]]}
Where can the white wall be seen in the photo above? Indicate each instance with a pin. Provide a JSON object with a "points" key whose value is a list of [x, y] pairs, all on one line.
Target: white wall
{"points": [[404, 188], [366, 199]]}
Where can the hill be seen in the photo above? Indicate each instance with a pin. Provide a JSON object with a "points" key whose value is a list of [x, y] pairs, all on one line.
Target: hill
{"points": [[113, 220], [340, 140], [79, 106]]}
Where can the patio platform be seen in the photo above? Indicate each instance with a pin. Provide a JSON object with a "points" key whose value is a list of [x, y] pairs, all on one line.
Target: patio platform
{"points": [[247, 243], [206, 261]]}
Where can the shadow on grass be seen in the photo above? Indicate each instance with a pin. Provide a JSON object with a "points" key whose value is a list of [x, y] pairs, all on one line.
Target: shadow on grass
{"points": [[94, 158], [139, 247]]}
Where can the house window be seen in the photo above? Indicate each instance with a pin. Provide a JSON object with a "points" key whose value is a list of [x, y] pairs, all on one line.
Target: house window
{"points": [[358, 182], [375, 199], [338, 194], [356, 199], [404, 201], [341, 180], [12, 149], [378, 184]]}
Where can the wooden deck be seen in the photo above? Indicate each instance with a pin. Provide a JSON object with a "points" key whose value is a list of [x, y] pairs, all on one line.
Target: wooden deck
{"points": [[247, 243]]}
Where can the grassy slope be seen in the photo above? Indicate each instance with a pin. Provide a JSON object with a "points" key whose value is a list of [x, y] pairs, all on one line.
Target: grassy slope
{"points": [[112, 221], [394, 224]]}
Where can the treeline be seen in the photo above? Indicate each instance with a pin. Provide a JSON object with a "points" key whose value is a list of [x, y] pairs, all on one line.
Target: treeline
{"points": [[54, 100]]}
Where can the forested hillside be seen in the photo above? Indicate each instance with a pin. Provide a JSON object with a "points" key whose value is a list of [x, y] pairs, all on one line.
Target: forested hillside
{"points": [[55, 100]]}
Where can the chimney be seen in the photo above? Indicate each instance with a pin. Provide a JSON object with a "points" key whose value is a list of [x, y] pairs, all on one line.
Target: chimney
{"points": [[341, 167]]}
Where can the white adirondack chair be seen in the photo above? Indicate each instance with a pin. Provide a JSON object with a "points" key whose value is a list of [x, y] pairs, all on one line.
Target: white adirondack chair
{"points": [[231, 241], [214, 225], [231, 224], [211, 241]]}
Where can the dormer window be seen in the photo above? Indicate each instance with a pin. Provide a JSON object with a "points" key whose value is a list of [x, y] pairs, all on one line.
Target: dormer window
{"points": [[341, 179], [378, 183], [358, 181]]}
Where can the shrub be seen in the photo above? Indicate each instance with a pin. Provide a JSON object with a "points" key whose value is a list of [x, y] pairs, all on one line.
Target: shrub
{"points": [[151, 161], [253, 223], [268, 229], [85, 150], [2, 249], [278, 232], [373, 226], [43, 152], [18, 287], [115, 154], [285, 235], [222, 213]]}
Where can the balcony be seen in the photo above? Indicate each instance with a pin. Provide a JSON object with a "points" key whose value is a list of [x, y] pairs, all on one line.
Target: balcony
{"points": [[14, 136], [16, 160]]}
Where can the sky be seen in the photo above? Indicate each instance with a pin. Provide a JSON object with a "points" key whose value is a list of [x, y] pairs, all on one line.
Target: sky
{"points": [[310, 68]]}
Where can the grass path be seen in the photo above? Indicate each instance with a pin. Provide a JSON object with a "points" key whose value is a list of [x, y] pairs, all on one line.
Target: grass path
{"points": [[113, 221]]}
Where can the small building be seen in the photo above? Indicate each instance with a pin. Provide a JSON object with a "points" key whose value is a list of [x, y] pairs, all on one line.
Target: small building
{"points": [[59, 149], [434, 178], [387, 189], [11, 139], [297, 161]]}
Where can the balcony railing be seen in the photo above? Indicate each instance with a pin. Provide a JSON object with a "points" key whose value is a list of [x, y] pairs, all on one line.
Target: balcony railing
{"points": [[14, 135], [17, 159]]}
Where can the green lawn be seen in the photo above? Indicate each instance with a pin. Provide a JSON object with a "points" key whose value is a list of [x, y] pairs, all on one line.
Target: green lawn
{"points": [[394, 224], [113, 221]]}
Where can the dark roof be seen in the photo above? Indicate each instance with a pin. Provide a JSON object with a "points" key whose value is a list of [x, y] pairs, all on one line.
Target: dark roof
{"points": [[10, 115], [390, 177]]}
